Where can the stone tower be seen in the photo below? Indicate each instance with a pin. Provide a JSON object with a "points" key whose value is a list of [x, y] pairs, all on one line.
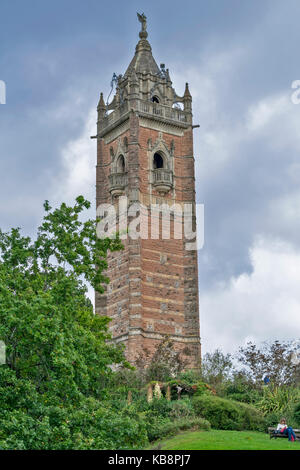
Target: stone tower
{"points": [[145, 152]]}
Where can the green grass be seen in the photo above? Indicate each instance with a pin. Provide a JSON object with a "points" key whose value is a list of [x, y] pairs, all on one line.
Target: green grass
{"points": [[226, 440]]}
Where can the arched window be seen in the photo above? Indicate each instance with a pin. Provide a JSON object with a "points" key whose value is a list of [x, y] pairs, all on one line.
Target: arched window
{"points": [[121, 164], [155, 99], [178, 105], [158, 161]]}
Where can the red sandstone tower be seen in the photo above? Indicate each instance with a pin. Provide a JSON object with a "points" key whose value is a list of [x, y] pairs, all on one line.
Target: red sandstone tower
{"points": [[145, 152]]}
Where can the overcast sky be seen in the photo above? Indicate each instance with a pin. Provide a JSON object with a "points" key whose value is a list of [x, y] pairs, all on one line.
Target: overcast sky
{"points": [[240, 59]]}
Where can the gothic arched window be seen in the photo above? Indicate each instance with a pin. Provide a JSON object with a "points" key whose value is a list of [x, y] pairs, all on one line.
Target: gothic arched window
{"points": [[158, 161], [155, 99], [121, 164]]}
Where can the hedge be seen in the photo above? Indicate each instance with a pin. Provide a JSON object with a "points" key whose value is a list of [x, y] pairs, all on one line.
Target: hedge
{"points": [[228, 414]]}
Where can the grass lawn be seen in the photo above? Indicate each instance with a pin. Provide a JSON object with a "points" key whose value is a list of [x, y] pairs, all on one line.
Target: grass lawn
{"points": [[227, 440]]}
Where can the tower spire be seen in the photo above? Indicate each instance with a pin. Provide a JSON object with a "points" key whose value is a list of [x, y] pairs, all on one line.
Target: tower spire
{"points": [[143, 60]]}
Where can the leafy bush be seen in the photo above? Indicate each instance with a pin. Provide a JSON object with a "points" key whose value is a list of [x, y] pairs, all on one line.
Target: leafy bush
{"points": [[125, 430], [163, 418], [90, 426], [162, 408], [296, 413], [165, 428], [241, 392], [190, 376], [158, 407], [227, 414], [277, 399], [221, 413], [201, 388], [251, 418], [181, 409]]}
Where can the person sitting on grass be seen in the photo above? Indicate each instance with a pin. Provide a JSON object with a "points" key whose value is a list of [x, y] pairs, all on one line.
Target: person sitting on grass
{"points": [[285, 429]]}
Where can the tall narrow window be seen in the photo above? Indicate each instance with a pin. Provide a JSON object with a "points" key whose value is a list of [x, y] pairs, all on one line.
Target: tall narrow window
{"points": [[121, 164], [158, 161]]}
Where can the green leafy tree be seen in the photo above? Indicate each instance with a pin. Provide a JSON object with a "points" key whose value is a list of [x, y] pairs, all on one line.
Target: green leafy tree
{"points": [[56, 348]]}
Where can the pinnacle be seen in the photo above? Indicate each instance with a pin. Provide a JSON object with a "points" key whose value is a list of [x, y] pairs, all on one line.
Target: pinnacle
{"points": [[101, 103], [187, 91]]}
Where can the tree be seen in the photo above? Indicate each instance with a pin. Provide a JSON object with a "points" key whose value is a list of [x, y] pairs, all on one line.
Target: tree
{"points": [[216, 367], [56, 349], [46, 320], [165, 363], [274, 360]]}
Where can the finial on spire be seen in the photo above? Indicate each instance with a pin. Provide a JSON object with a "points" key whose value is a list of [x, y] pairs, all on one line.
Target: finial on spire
{"points": [[101, 103], [101, 108], [187, 99], [143, 20], [187, 91]]}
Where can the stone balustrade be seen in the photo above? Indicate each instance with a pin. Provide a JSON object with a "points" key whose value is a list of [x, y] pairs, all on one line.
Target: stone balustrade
{"points": [[166, 112], [117, 183], [149, 108], [162, 180]]}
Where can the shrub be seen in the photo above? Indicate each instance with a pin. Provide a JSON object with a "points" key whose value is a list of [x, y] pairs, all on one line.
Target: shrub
{"points": [[277, 399], [159, 427], [190, 376], [296, 413], [90, 426], [202, 387], [160, 408], [181, 409], [164, 418], [158, 430], [126, 430], [221, 413], [227, 414], [164, 409], [251, 418], [195, 423], [241, 392]]}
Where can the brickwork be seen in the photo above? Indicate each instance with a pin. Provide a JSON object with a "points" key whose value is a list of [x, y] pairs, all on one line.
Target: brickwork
{"points": [[153, 288]]}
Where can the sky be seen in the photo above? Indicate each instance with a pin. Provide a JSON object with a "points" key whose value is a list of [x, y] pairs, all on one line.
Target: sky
{"points": [[240, 59]]}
